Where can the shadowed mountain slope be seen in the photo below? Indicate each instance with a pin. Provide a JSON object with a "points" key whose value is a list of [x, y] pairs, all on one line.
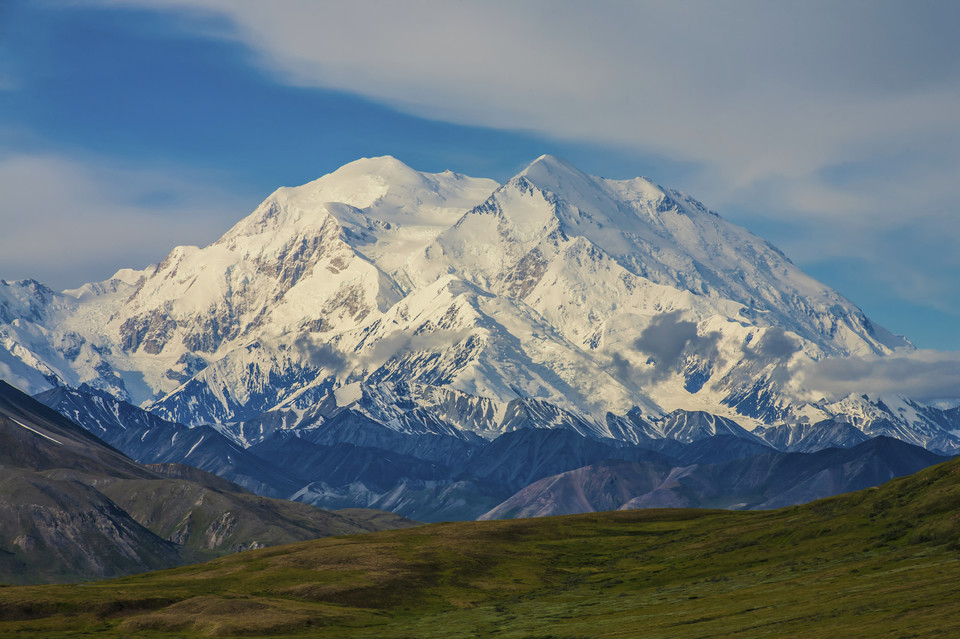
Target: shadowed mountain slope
{"points": [[768, 480], [151, 440], [73, 508]]}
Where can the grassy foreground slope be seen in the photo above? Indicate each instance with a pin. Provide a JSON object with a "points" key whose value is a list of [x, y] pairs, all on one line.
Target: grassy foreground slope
{"points": [[877, 563]]}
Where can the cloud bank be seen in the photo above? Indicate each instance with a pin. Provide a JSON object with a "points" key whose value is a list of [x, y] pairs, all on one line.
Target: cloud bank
{"points": [[774, 343], [923, 374], [754, 91], [400, 343], [316, 354], [668, 337]]}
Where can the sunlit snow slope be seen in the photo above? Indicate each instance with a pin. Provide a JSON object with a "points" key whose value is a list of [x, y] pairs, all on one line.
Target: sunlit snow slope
{"points": [[575, 294]]}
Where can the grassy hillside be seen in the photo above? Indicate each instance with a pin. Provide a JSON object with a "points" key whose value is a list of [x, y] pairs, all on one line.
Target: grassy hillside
{"points": [[882, 562]]}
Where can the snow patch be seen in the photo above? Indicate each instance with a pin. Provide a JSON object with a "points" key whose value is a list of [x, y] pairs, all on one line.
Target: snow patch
{"points": [[36, 432], [348, 394]]}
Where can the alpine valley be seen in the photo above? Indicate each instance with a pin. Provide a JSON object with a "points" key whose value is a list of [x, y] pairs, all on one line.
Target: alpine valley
{"points": [[447, 347]]}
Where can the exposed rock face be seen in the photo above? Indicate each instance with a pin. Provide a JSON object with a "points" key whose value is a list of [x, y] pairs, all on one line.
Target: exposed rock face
{"points": [[150, 332], [64, 531]]}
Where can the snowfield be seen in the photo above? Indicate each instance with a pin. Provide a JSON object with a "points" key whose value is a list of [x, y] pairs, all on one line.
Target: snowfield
{"points": [[434, 302]]}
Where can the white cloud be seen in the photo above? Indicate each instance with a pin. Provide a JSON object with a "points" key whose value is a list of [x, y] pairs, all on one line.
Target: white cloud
{"points": [[66, 222], [752, 90], [921, 374], [400, 343]]}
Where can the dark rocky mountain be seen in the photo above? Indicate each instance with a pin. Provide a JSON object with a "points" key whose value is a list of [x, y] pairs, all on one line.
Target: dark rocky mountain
{"points": [[707, 450], [807, 438], [199, 517], [691, 426], [55, 527], [603, 486], [74, 508], [768, 480], [352, 427], [40, 439], [342, 464], [333, 457], [519, 458], [148, 439]]}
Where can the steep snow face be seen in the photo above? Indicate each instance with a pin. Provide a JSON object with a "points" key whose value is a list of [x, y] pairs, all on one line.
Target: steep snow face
{"points": [[24, 353], [570, 294], [386, 210], [49, 338], [551, 222], [293, 266], [602, 261], [326, 245]]}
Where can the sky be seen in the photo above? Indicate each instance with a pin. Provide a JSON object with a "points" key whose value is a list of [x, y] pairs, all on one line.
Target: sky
{"points": [[831, 129]]}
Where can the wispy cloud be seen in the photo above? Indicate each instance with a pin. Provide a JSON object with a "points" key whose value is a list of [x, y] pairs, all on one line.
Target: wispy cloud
{"points": [[665, 342], [754, 91], [768, 100], [398, 344], [67, 222], [922, 374], [668, 337], [317, 354]]}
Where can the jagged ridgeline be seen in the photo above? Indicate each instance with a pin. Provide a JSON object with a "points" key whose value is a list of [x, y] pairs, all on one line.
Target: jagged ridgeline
{"points": [[445, 305]]}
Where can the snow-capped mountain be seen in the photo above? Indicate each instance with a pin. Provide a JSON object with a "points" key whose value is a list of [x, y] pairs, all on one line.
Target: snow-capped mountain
{"points": [[439, 304]]}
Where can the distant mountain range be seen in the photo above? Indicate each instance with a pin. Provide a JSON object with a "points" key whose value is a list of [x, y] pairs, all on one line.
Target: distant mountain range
{"points": [[767, 480], [879, 563], [355, 461]]}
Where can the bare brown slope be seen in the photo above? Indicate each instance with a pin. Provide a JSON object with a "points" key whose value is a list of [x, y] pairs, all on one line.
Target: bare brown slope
{"points": [[54, 526], [603, 486]]}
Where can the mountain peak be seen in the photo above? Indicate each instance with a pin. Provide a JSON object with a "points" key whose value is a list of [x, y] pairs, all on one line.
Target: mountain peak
{"points": [[550, 173], [360, 183], [548, 161], [386, 167]]}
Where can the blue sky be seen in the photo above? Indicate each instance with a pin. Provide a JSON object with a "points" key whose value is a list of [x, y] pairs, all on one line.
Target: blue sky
{"points": [[831, 129]]}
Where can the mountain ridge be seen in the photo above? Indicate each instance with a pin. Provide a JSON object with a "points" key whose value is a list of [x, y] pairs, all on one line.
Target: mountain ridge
{"points": [[879, 563], [756, 482], [348, 456]]}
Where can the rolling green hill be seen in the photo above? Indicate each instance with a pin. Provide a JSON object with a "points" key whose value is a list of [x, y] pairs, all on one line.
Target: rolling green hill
{"points": [[876, 563]]}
